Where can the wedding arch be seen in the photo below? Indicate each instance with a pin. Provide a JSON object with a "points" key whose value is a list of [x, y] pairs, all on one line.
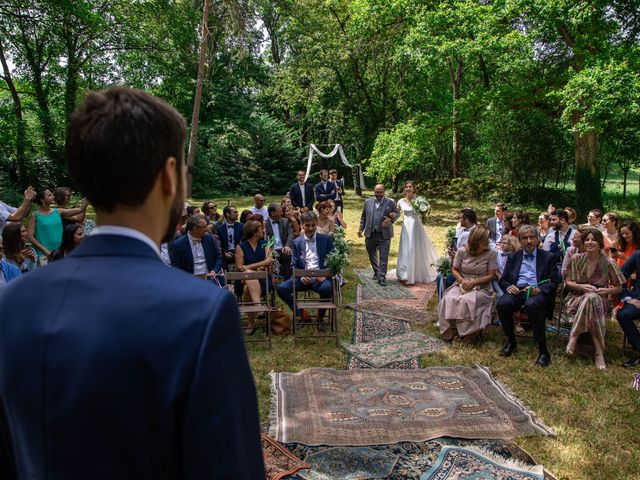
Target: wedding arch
{"points": [[356, 169]]}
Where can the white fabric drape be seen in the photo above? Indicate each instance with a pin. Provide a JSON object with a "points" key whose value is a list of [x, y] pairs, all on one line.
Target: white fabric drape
{"points": [[337, 149]]}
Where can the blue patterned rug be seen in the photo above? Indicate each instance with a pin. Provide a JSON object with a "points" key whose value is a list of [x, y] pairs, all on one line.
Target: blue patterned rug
{"points": [[349, 463], [456, 463]]}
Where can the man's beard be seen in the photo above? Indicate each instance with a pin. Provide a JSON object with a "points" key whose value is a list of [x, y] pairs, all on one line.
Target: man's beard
{"points": [[174, 216]]}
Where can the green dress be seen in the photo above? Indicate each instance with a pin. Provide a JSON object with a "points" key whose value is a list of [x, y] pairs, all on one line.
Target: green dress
{"points": [[48, 230]]}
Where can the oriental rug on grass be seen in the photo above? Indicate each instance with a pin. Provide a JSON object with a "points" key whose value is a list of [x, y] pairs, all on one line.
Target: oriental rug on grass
{"points": [[321, 406], [368, 327], [278, 461], [395, 311], [394, 288], [349, 463], [455, 463], [414, 458], [383, 351]]}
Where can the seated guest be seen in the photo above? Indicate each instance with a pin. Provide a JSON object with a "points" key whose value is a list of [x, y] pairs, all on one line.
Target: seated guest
{"points": [[496, 223], [468, 301], [326, 222], [309, 252], [543, 225], [530, 279], [594, 219], [630, 311], [252, 255], [12, 214], [325, 189], [571, 213], [507, 245], [577, 247], [561, 235], [258, 207], [467, 220], [301, 193], [279, 228], [230, 233], [292, 215], [508, 223], [591, 278], [610, 221], [210, 211], [8, 271], [244, 216], [196, 252], [629, 242], [72, 236], [16, 251]]}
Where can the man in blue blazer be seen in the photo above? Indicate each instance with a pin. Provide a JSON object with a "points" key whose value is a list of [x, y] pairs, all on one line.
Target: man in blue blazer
{"points": [[630, 311], [301, 193], [325, 189], [230, 233], [309, 252], [125, 369], [195, 252], [530, 279]]}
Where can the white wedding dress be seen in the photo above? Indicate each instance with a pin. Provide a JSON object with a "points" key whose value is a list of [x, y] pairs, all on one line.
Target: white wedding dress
{"points": [[416, 253]]}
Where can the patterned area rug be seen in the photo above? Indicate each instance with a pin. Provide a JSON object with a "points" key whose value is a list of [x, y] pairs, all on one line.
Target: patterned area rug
{"points": [[455, 463], [278, 461], [349, 463], [394, 288], [383, 351], [322, 406], [368, 327], [415, 458], [397, 311]]}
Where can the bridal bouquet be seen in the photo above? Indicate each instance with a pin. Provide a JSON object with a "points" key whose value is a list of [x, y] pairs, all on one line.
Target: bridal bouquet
{"points": [[421, 206]]}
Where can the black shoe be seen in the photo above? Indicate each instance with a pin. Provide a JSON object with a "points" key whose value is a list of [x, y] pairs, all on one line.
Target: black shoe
{"points": [[634, 362], [322, 327], [508, 349], [544, 359], [382, 282], [375, 276]]}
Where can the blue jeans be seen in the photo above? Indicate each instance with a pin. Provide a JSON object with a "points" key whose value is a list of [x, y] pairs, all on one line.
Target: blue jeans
{"points": [[285, 291], [497, 289]]}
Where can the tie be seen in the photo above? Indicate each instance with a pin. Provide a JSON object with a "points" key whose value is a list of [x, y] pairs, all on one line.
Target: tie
{"points": [[528, 256], [505, 254]]}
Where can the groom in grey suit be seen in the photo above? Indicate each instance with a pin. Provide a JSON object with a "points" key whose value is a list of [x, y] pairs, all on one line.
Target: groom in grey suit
{"points": [[376, 223]]}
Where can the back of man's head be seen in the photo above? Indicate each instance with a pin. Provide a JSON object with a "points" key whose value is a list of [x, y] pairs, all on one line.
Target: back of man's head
{"points": [[469, 215], [118, 140]]}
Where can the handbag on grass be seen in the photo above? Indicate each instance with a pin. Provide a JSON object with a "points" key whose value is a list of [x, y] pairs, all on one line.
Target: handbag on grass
{"points": [[280, 322]]}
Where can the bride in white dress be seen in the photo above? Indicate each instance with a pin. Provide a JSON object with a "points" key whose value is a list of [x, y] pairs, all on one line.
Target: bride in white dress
{"points": [[416, 253]]}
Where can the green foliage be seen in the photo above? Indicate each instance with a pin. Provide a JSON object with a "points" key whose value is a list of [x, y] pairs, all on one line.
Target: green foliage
{"points": [[338, 258]]}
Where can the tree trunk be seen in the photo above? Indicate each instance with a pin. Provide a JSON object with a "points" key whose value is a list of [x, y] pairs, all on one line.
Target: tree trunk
{"points": [[625, 172], [20, 124], [588, 192], [193, 137], [456, 80]]}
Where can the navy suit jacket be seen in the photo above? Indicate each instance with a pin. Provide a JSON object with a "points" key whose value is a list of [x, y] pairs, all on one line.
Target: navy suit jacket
{"points": [[224, 236], [123, 368], [326, 192], [324, 244], [296, 196], [182, 257], [546, 268], [632, 265]]}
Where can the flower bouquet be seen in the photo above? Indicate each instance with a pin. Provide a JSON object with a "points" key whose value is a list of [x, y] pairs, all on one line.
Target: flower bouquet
{"points": [[421, 206], [443, 265], [338, 258]]}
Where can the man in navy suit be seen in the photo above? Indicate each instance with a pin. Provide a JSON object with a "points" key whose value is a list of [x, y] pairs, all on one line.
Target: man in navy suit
{"points": [[309, 252], [325, 189], [230, 233], [125, 369], [197, 253], [530, 278], [630, 311], [301, 193]]}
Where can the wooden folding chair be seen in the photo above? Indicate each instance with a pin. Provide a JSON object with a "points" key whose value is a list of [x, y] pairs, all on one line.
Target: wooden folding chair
{"points": [[246, 307], [314, 303]]}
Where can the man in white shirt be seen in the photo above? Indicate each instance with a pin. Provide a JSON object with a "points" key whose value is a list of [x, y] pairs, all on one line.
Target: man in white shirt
{"points": [[197, 252], [259, 207], [496, 223], [13, 214], [280, 229]]}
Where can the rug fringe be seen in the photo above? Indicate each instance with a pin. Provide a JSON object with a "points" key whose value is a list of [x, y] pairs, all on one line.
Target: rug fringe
{"points": [[508, 393], [273, 407], [507, 462]]}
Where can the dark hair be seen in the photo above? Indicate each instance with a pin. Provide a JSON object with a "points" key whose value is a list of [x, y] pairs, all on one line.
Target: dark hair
{"points": [[244, 216], [118, 141], [193, 221], [614, 217], [597, 212], [323, 170], [308, 217], [250, 228], [205, 206], [332, 171], [325, 203], [470, 215], [191, 210], [410, 182], [273, 207], [226, 211], [502, 206], [523, 217], [59, 195], [40, 196], [629, 224], [561, 214], [508, 225], [12, 241], [68, 242], [597, 235]]}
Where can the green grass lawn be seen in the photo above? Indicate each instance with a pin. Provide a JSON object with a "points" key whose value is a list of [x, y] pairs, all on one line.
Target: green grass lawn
{"points": [[596, 414]]}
